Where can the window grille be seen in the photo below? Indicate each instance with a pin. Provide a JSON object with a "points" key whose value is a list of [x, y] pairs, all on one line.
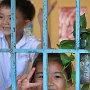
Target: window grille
{"points": [[45, 49]]}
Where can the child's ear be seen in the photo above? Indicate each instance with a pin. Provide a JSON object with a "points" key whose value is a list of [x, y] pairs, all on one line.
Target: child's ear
{"points": [[27, 22]]}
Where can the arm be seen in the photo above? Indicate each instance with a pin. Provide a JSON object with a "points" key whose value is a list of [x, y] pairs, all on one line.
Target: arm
{"points": [[40, 19]]}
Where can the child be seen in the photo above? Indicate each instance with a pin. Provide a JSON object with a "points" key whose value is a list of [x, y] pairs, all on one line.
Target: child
{"points": [[56, 75], [25, 13]]}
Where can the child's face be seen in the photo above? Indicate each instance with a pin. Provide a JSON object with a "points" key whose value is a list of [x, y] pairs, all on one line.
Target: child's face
{"points": [[5, 19], [56, 80]]}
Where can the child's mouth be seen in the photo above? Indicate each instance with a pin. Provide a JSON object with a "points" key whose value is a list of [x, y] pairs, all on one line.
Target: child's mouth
{"points": [[6, 28]]}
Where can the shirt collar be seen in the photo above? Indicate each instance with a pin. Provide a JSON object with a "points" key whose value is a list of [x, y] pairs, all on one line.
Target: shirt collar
{"points": [[20, 43]]}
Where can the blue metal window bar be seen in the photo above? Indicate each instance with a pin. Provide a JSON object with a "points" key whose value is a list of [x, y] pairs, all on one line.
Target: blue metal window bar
{"points": [[45, 49]]}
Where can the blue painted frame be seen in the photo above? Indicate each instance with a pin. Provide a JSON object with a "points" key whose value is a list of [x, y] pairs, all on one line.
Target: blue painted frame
{"points": [[45, 49], [13, 43], [77, 44]]}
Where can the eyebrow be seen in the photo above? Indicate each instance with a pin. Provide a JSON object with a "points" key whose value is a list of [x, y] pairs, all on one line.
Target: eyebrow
{"points": [[39, 73], [2, 14], [53, 73], [57, 73]]}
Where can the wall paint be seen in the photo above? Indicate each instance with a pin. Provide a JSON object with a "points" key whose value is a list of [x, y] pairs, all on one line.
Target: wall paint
{"points": [[53, 18]]}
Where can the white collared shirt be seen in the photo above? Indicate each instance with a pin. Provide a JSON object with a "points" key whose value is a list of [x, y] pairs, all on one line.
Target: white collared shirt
{"points": [[22, 59]]}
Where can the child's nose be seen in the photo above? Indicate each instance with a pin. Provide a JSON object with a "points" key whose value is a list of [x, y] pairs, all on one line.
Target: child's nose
{"points": [[50, 81]]}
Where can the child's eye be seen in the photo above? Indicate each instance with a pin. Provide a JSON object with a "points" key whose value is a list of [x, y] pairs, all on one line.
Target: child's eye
{"points": [[57, 76], [1, 17], [10, 18], [40, 76]]}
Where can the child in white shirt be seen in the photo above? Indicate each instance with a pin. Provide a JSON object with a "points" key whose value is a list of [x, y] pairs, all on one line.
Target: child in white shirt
{"points": [[25, 13]]}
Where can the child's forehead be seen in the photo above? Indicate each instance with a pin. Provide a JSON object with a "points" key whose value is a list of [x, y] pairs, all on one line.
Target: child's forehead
{"points": [[5, 11], [51, 61], [3, 8], [54, 62], [53, 66], [8, 8]]}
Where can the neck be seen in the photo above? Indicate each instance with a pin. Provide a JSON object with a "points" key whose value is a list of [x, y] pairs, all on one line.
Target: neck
{"points": [[8, 38]]}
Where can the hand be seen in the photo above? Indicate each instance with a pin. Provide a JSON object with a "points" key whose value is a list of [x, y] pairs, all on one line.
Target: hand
{"points": [[24, 82], [40, 19], [40, 15], [19, 81]]}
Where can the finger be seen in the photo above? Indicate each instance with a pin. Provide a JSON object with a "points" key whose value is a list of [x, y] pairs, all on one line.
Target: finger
{"points": [[18, 87], [35, 84], [22, 78], [18, 82], [52, 7], [26, 85], [18, 78], [40, 12], [31, 73]]}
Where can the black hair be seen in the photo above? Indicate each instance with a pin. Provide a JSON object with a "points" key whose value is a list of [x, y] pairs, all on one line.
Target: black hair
{"points": [[25, 6], [68, 69]]}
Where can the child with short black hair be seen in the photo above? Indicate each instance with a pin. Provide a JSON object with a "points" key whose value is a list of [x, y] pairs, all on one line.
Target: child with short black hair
{"points": [[57, 75], [25, 12]]}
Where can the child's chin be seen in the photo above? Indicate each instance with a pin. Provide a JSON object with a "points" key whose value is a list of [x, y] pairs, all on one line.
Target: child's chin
{"points": [[7, 33]]}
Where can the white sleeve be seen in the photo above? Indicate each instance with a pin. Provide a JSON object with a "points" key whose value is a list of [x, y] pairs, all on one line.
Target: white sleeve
{"points": [[35, 44], [5, 79], [2, 81]]}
